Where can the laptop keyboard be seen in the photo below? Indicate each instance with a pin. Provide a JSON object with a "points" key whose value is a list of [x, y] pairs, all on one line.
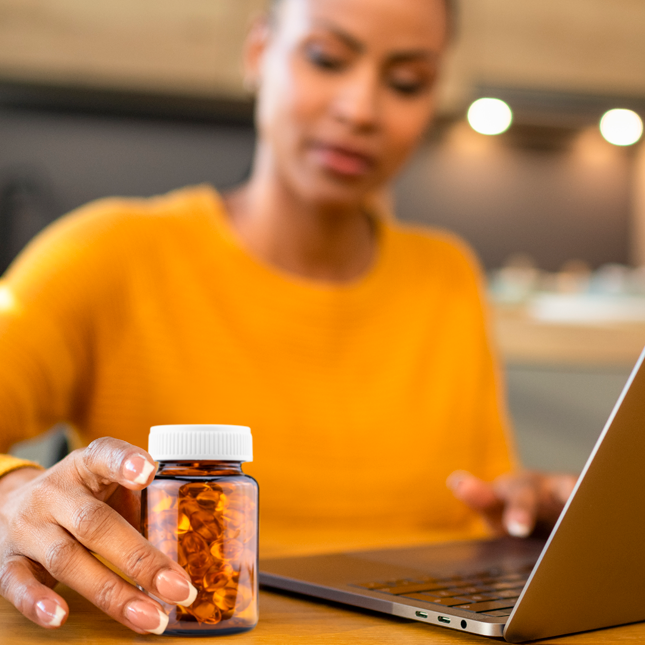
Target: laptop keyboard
{"points": [[492, 592]]}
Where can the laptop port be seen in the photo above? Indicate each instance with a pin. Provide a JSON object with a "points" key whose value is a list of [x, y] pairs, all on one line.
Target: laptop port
{"points": [[443, 619], [421, 614]]}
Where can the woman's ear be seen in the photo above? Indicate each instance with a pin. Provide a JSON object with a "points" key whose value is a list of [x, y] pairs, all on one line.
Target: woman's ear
{"points": [[255, 47]]}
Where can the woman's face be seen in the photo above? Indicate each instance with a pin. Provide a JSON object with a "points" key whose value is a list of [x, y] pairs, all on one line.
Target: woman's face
{"points": [[346, 89]]}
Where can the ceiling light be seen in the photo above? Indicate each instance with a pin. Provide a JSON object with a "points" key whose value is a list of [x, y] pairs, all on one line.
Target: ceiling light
{"points": [[621, 127], [489, 116]]}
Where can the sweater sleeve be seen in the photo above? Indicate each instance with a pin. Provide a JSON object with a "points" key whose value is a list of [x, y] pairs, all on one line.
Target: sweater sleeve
{"points": [[8, 464], [47, 301]]}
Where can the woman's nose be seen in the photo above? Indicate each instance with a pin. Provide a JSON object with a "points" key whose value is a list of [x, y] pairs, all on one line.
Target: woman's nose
{"points": [[357, 100]]}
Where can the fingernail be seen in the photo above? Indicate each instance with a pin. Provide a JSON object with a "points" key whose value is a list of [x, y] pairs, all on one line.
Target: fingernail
{"points": [[146, 616], [137, 469], [50, 613], [173, 586], [517, 529], [455, 479]]}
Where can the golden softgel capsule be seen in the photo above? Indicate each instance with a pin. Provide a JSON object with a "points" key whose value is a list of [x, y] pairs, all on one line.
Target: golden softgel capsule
{"points": [[201, 510]]}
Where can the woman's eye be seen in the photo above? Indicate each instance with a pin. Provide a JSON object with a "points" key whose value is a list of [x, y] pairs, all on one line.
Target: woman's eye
{"points": [[409, 84], [408, 88], [324, 59]]}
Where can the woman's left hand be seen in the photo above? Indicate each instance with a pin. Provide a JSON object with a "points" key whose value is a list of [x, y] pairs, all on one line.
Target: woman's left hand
{"points": [[520, 504]]}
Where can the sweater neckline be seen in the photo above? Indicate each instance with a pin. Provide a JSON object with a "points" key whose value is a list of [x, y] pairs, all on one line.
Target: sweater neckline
{"points": [[260, 270]]}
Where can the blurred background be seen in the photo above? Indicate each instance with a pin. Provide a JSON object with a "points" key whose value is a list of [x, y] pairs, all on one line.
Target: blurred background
{"points": [[137, 97]]}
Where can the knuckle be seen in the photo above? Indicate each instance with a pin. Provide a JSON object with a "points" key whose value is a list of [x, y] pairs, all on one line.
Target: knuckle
{"points": [[140, 561], [26, 510], [107, 595], [95, 448], [90, 520], [8, 572], [58, 555], [74, 455], [105, 449], [22, 522], [88, 457], [99, 463]]}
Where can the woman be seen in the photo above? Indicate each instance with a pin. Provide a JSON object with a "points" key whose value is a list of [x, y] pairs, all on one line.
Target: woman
{"points": [[355, 349]]}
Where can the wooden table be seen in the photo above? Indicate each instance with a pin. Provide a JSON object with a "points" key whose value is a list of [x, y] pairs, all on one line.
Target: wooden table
{"points": [[284, 620]]}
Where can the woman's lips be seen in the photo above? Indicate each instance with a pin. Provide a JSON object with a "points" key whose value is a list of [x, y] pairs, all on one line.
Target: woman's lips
{"points": [[342, 161]]}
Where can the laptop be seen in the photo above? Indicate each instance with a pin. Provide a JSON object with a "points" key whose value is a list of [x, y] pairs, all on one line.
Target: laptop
{"points": [[589, 573]]}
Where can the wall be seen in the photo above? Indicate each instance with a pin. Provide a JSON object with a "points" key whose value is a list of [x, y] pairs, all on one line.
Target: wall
{"points": [[62, 160], [555, 203], [193, 46], [558, 412], [569, 198]]}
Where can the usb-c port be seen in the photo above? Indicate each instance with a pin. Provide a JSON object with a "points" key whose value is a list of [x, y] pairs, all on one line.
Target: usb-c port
{"points": [[421, 614], [443, 619]]}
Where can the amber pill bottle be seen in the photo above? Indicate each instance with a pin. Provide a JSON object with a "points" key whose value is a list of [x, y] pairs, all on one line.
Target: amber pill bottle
{"points": [[201, 510]]}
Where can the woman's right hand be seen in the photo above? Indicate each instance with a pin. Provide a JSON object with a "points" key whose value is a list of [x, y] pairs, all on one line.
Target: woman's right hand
{"points": [[50, 521]]}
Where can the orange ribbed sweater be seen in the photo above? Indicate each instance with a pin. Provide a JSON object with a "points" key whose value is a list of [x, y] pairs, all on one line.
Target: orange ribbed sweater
{"points": [[362, 397]]}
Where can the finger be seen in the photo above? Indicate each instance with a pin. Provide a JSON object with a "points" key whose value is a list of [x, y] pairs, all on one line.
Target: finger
{"points": [[520, 497], [20, 586], [561, 487], [101, 529], [67, 561], [109, 461], [474, 492], [479, 495]]}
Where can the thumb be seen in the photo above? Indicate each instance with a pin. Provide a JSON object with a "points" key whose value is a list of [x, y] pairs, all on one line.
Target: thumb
{"points": [[106, 463]]}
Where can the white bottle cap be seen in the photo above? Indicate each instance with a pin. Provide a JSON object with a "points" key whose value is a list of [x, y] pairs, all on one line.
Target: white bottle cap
{"points": [[200, 443]]}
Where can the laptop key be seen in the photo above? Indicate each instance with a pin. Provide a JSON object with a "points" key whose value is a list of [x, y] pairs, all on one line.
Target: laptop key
{"points": [[490, 605], [490, 581], [404, 589], [507, 593], [444, 602], [515, 576], [499, 613], [465, 591], [507, 585], [481, 597], [445, 593]]}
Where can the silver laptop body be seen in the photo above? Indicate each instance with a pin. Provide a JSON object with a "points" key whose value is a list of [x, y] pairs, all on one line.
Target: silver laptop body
{"points": [[589, 573]]}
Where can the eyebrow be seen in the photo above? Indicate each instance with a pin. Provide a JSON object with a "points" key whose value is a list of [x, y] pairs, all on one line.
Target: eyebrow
{"points": [[358, 47]]}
